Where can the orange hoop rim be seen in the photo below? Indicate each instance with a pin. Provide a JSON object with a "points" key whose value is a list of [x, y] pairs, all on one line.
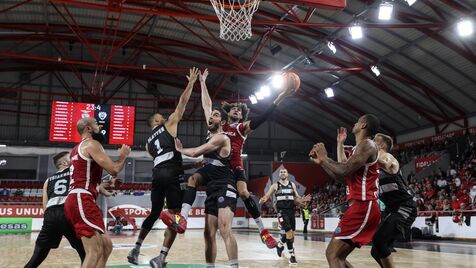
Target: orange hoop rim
{"points": [[251, 3]]}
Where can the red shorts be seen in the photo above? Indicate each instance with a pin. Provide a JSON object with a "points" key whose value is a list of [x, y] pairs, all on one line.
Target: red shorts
{"points": [[359, 223], [82, 212]]}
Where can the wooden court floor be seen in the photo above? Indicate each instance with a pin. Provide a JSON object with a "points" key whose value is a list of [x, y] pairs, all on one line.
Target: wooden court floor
{"points": [[15, 250]]}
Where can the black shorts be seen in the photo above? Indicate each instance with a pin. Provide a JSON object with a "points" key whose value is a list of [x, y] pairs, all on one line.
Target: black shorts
{"points": [[287, 219], [168, 183], [240, 174], [221, 188], [55, 226], [220, 197]]}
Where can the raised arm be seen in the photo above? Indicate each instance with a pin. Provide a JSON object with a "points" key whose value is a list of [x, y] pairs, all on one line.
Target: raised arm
{"points": [[271, 191], [206, 100], [256, 121], [176, 116], [359, 158], [341, 137], [213, 144], [97, 153]]}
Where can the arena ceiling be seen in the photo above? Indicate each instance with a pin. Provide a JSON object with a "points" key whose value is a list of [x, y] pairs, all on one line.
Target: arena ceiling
{"points": [[427, 72]]}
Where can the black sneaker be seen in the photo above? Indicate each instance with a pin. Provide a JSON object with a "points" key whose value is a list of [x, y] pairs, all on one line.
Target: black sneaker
{"points": [[279, 250], [292, 260]]}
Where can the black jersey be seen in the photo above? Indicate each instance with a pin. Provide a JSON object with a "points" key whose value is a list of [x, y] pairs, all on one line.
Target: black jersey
{"points": [[217, 170], [57, 188], [161, 146], [393, 190], [214, 158], [285, 196]]}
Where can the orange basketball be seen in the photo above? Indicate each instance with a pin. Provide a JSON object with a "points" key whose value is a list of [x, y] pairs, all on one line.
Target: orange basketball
{"points": [[292, 81]]}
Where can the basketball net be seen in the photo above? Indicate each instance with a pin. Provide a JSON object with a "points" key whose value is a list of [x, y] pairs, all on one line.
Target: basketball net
{"points": [[235, 18]]}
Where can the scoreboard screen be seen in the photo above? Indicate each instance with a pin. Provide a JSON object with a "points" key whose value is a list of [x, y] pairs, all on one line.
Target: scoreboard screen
{"points": [[117, 121]]}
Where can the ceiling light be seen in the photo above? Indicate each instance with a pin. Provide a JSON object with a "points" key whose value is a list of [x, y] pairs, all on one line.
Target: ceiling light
{"points": [[465, 28], [331, 46], [375, 70], [411, 2], [259, 95], [253, 99], [277, 81], [265, 91], [329, 92], [385, 11], [356, 32]]}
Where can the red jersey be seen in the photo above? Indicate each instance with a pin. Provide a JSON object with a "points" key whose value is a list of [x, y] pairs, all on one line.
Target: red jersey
{"points": [[85, 173], [363, 184], [236, 133]]}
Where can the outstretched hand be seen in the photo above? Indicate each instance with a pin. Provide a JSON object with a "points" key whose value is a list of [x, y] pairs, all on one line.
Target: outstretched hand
{"points": [[341, 135], [203, 76], [192, 77], [178, 144]]}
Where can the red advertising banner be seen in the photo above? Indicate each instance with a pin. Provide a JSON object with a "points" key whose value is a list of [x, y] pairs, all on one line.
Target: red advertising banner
{"points": [[26, 211], [435, 139], [423, 162]]}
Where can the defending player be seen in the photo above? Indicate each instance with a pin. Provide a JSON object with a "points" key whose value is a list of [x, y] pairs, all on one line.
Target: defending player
{"points": [[400, 206], [220, 204], [360, 170], [286, 198], [55, 225], [168, 182]]}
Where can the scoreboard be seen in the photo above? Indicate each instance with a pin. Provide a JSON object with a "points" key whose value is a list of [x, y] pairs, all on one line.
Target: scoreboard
{"points": [[117, 121]]}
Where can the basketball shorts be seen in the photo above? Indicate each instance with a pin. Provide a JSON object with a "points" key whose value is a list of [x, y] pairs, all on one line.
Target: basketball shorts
{"points": [[220, 197], [359, 223], [55, 226], [168, 183], [286, 219], [82, 212]]}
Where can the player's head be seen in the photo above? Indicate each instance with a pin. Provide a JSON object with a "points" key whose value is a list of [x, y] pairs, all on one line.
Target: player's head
{"points": [[216, 120], [283, 174], [156, 119], [384, 142], [61, 160], [368, 123], [236, 111], [89, 127]]}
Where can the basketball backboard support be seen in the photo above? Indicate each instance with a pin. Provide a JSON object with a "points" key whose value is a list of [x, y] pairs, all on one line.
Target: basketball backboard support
{"points": [[327, 4]]}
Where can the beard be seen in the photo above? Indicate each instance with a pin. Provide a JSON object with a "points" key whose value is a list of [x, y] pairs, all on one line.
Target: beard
{"points": [[213, 127], [98, 137]]}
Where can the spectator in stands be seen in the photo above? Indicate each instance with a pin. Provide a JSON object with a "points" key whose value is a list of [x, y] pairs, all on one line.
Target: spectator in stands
{"points": [[442, 183], [446, 205], [465, 198], [5, 192], [18, 192], [454, 202]]}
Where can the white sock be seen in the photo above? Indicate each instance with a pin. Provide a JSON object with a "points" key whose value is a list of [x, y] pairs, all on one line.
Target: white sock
{"points": [[185, 210], [163, 253], [260, 224], [234, 264], [210, 265], [138, 244]]}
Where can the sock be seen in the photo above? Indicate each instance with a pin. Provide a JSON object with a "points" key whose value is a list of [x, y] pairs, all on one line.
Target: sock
{"points": [[289, 243], [210, 265], [234, 264], [283, 238], [163, 253], [188, 199], [138, 244], [260, 224], [252, 208]]}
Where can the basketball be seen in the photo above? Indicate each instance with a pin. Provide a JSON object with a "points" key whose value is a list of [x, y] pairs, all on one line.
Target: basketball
{"points": [[292, 81]]}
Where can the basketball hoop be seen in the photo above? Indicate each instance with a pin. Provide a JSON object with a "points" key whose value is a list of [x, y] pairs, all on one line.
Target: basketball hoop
{"points": [[235, 18]]}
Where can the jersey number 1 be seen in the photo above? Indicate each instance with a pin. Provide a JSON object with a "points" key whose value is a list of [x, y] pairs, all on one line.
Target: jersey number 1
{"points": [[157, 145]]}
